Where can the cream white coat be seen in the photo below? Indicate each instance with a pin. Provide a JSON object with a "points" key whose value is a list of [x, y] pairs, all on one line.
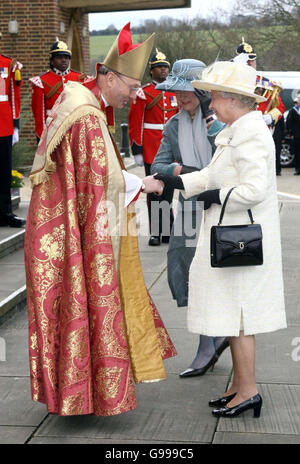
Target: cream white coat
{"points": [[220, 298]]}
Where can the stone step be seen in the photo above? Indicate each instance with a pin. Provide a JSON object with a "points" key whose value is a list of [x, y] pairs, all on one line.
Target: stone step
{"points": [[10, 240], [15, 200], [12, 282]]}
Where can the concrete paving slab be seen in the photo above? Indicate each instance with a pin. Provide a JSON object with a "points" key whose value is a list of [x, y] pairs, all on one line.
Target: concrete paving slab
{"points": [[11, 435], [94, 441], [15, 337], [150, 278], [12, 277], [291, 259], [17, 409], [149, 261], [276, 357], [287, 182], [291, 281], [168, 411], [280, 413], [161, 287], [292, 303]]}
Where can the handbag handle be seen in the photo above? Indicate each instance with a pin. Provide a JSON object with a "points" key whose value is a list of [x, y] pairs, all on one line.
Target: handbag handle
{"points": [[224, 205]]}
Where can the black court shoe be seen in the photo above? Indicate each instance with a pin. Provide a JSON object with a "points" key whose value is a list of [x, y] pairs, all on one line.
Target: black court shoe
{"points": [[220, 402], [190, 372], [222, 347], [201, 371], [154, 240], [255, 403], [11, 220], [165, 239]]}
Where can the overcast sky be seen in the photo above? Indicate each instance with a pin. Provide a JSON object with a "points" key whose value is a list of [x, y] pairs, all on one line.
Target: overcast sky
{"points": [[203, 8]]}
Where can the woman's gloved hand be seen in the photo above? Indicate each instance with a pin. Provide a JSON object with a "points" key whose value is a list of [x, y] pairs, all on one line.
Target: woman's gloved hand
{"points": [[170, 181], [209, 197]]}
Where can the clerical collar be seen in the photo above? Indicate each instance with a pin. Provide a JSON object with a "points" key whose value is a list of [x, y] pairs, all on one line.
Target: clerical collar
{"points": [[105, 101], [60, 73]]}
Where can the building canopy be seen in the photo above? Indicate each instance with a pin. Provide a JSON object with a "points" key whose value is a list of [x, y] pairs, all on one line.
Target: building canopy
{"points": [[98, 6]]}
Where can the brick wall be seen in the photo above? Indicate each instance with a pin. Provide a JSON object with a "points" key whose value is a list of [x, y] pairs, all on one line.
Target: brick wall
{"points": [[39, 24]]}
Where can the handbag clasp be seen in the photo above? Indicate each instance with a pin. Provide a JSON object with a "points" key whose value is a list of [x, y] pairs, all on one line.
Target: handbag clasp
{"points": [[242, 245]]}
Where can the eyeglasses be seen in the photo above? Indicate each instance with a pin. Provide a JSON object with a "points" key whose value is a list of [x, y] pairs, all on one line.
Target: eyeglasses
{"points": [[130, 88]]}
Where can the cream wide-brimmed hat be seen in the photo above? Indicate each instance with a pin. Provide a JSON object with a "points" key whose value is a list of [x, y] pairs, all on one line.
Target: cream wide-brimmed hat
{"points": [[228, 76]]}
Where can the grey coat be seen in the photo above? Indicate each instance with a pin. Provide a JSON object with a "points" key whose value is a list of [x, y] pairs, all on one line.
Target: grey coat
{"points": [[185, 231]]}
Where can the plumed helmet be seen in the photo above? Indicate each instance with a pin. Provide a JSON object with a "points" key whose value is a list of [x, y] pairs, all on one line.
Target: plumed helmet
{"points": [[158, 59], [246, 48], [59, 48]]}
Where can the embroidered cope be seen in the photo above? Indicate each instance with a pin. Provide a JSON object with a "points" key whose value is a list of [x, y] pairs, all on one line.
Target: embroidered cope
{"points": [[93, 328]]}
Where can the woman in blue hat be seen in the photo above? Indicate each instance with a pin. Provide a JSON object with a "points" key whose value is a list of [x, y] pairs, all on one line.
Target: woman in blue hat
{"points": [[187, 146]]}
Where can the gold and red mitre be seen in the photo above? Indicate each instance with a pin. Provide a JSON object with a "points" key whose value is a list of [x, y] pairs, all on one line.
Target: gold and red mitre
{"points": [[127, 58]]}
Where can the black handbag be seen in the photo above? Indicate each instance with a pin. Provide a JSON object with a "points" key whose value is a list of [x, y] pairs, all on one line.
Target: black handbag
{"points": [[236, 245]]}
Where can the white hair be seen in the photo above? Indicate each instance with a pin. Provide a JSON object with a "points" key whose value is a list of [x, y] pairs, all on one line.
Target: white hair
{"points": [[244, 100]]}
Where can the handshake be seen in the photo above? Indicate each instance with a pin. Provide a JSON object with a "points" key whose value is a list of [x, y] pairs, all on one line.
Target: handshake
{"points": [[156, 183], [152, 185]]}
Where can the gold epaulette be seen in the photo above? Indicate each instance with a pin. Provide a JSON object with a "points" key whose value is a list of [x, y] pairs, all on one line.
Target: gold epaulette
{"points": [[275, 113]]}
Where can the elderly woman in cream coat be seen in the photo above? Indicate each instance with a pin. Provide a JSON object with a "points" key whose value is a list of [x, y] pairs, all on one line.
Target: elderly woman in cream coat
{"points": [[237, 302]]}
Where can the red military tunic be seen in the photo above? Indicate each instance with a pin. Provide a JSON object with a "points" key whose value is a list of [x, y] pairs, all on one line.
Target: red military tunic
{"points": [[147, 117], [268, 108], [45, 91], [10, 95]]}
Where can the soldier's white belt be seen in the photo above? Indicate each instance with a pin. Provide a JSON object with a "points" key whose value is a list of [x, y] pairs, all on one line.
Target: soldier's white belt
{"points": [[3, 98], [148, 125]]}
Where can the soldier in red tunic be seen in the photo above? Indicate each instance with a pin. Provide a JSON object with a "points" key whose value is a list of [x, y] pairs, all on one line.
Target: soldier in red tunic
{"points": [[47, 87], [272, 109], [147, 116], [10, 102]]}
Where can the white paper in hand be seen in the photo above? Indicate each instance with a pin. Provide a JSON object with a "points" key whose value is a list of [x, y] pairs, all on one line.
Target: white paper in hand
{"points": [[133, 186]]}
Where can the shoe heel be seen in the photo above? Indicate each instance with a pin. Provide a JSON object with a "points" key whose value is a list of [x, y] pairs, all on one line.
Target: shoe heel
{"points": [[256, 410], [214, 362]]}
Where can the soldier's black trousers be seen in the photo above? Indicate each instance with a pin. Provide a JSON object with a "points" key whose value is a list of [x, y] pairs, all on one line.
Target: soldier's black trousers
{"points": [[5, 174]]}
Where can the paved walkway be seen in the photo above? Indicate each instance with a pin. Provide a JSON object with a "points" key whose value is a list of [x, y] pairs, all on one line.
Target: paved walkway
{"points": [[174, 411]]}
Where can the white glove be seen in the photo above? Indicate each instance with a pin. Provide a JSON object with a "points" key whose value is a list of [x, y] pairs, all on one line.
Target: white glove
{"points": [[15, 137], [268, 119], [139, 160]]}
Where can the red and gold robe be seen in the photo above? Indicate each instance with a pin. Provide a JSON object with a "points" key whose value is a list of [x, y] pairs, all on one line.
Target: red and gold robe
{"points": [[93, 328]]}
